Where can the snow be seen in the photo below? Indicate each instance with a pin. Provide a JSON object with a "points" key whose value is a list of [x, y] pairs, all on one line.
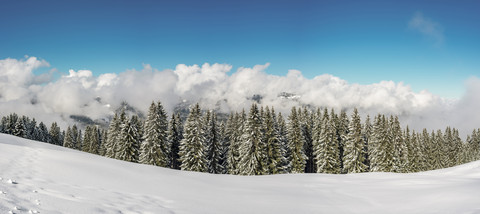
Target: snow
{"points": [[52, 179]]}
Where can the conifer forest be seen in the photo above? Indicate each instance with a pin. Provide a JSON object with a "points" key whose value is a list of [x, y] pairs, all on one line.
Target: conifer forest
{"points": [[261, 141]]}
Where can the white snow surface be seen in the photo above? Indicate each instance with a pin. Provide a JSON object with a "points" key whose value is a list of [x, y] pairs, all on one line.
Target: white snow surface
{"points": [[52, 179]]}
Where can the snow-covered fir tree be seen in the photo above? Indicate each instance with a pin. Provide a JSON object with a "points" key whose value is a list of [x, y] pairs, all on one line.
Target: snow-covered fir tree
{"points": [[19, 129], [103, 139], [367, 133], [235, 127], [252, 159], [91, 140], [155, 149], [55, 135], [341, 126], [69, 142], [174, 138], [306, 121], [43, 133], [354, 160], [400, 150], [381, 148], [213, 143], [192, 148], [327, 149], [273, 145], [296, 143], [113, 134], [285, 149], [129, 144]]}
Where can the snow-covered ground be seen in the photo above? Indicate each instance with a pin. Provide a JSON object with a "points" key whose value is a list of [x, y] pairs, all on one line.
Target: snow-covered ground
{"points": [[42, 178]]}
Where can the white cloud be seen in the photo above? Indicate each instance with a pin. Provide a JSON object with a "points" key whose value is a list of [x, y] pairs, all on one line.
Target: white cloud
{"points": [[77, 93], [427, 27]]}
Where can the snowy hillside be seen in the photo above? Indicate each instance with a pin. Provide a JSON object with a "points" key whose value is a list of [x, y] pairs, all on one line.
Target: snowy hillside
{"points": [[42, 178]]}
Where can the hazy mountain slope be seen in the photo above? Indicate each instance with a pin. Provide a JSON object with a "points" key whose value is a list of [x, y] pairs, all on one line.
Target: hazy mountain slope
{"points": [[51, 179]]}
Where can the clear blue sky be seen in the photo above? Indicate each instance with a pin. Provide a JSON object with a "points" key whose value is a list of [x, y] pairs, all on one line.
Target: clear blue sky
{"points": [[359, 41]]}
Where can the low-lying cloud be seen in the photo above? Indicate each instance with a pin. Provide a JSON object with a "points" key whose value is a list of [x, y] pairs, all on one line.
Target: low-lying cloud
{"points": [[214, 86]]}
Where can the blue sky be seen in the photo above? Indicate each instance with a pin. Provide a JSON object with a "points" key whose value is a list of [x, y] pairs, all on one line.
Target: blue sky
{"points": [[433, 45]]}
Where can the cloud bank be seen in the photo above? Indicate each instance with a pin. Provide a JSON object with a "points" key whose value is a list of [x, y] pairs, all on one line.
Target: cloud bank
{"points": [[215, 86]]}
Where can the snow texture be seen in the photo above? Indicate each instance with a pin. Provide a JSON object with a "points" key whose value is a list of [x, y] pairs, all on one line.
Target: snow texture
{"points": [[52, 179]]}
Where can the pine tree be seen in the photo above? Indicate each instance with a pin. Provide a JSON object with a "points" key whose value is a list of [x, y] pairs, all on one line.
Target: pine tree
{"points": [[354, 160], [155, 150], [251, 154], [128, 146], [192, 148], [296, 143]]}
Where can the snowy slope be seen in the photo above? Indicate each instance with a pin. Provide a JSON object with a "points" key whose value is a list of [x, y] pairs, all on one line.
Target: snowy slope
{"points": [[51, 179]]}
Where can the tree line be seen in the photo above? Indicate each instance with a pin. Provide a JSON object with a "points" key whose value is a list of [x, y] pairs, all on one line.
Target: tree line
{"points": [[262, 142]]}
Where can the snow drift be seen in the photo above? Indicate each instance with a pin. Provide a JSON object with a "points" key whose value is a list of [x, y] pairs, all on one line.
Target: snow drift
{"points": [[42, 178]]}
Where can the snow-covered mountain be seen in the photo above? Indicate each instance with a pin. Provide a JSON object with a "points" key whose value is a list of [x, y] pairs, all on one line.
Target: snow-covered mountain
{"points": [[41, 178]]}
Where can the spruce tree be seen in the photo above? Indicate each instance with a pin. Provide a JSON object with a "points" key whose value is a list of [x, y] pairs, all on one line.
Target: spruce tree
{"points": [[192, 148], [354, 160]]}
